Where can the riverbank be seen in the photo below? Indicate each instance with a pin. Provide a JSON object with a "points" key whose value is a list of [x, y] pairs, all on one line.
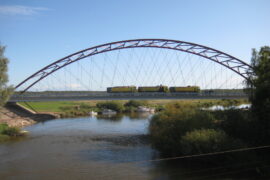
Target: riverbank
{"points": [[59, 107], [15, 115]]}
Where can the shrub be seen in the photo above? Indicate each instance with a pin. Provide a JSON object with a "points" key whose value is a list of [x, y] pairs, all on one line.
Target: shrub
{"points": [[134, 103], [206, 141], [237, 123], [116, 106], [130, 109], [159, 108], [167, 127], [6, 131], [12, 131], [3, 127]]}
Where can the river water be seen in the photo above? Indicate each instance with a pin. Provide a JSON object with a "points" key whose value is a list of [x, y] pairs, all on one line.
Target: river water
{"points": [[89, 148]]}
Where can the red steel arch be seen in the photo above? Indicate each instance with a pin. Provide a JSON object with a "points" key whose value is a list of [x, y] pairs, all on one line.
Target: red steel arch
{"points": [[232, 63]]}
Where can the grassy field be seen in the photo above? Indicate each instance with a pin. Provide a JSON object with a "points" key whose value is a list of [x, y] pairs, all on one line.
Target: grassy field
{"points": [[58, 106], [55, 106]]}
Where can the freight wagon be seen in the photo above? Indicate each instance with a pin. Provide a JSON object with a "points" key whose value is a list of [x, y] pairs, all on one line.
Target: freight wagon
{"points": [[185, 89], [153, 89], [121, 89]]}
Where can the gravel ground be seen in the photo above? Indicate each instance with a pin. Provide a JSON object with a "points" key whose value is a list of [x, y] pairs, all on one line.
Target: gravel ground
{"points": [[12, 119]]}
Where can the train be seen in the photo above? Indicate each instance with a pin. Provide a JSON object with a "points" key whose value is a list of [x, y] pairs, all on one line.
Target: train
{"points": [[122, 89], [160, 88]]}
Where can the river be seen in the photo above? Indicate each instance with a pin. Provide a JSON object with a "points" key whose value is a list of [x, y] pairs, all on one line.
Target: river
{"points": [[92, 148]]}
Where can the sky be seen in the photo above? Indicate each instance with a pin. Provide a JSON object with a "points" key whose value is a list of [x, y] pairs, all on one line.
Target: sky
{"points": [[39, 32]]}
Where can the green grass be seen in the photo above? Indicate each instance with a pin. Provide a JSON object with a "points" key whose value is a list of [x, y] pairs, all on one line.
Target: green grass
{"points": [[58, 106], [51, 106]]}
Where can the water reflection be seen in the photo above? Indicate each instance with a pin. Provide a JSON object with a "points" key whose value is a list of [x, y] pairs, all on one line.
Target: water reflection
{"points": [[111, 117], [140, 115], [120, 116]]}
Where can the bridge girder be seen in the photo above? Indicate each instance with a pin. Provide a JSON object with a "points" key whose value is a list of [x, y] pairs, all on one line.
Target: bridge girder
{"points": [[232, 63]]}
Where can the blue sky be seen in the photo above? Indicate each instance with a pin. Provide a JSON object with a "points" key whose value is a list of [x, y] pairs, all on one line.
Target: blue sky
{"points": [[38, 32]]}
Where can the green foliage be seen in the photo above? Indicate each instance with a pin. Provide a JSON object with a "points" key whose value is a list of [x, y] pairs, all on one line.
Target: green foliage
{"points": [[116, 106], [259, 86], [12, 131], [236, 123], [3, 127], [185, 129], [159, 108], [207, 140], [167, 127], [135, 103], [5, 90], [6, 131], [130, 109], [132, 105]]}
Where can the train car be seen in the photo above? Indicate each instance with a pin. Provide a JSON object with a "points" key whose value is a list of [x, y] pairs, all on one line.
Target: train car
{"points": [[160, 88], [121, 89], [194, 89]]}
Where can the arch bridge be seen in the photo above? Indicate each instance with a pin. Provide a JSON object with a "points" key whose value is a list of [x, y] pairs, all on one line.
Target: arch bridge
{"points": [[229, 62]]}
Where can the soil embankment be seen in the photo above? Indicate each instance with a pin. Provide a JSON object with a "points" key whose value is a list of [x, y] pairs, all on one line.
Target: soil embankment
{"points": [[18, 116]]}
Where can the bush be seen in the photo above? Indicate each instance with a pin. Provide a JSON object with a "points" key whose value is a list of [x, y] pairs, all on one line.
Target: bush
{"points": [[6, 131], [3, 127], [237, 123], [12, 131], [134, 103], [116, 106], [130, 109], [167, 127], [159, 108], [206, 141]]}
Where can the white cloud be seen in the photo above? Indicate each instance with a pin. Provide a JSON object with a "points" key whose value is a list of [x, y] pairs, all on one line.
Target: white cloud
{"points": [[20, 10]]}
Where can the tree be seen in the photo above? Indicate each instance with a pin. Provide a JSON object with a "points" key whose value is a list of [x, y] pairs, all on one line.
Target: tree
{"points": [[260, 96], [5, 90]]}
